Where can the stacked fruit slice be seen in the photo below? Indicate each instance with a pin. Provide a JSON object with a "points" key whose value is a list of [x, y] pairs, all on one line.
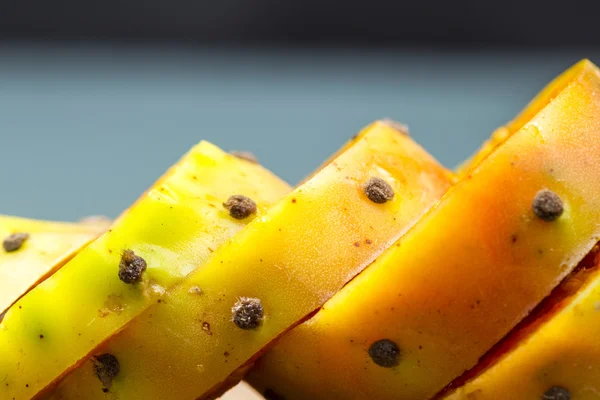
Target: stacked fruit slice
{"points": [[34, 250], [382, 276], [172, 229], [493, 248]]}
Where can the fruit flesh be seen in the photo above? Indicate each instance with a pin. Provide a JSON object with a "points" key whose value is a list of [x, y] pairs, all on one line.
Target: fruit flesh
{"points": [[49, 246], [308, 245], [466, 273], [174, 227], [558, 350]]}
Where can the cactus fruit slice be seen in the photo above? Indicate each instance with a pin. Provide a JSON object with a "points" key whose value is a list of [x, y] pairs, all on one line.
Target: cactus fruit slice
{"points": [[555, 354], [170, 230], [546, 95], [33, 250], [473, 267], [274, 273]]}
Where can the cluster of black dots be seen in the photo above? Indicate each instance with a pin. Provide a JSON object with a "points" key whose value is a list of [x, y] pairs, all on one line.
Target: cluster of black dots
{"points": [[240, 207], [15, 241], [131, 267], [106, 368], [557, 393]]}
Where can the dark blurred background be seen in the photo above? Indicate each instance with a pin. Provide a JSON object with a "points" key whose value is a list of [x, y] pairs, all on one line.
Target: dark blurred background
{"points": [[98, 98], [310, 22]]}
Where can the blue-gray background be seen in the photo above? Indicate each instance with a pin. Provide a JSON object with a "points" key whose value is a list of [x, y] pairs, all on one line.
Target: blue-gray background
{"points": [[84, 129]]}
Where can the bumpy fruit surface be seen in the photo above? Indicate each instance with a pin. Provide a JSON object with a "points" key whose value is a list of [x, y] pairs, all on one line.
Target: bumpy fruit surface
{"points": [[171, 230], [276, 271], [468, 271], [33, 250]]}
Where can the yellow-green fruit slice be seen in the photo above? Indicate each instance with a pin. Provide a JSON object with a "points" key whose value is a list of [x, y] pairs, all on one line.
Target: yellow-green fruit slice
{"points": [[171, 230], [557, 357], [32, 250], [287, 262], [466, 273]]}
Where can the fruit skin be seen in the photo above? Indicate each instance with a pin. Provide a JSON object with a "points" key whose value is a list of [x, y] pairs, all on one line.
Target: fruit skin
{"points": [[546, 95], [174, 227], [466, 273], [292, 259], [49, 246], [561, 350]]}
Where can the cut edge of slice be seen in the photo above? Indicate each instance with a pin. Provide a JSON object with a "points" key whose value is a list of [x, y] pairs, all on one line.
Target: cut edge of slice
{"points": [[45, 246], [564, 296]]}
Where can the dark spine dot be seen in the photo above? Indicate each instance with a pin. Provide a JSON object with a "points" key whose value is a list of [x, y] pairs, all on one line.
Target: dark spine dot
{"points": [[131, 267], [378, 190], [245, 155], [240, 207], [385, 353], [547, 206], [556, 393], [247, 313], [15, 241], [106, 367]]}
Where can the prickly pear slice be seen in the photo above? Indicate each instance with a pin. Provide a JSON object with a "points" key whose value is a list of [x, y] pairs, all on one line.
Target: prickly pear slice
{"points": [[33, 250], [170, 230], [556, 355], [277, 270], [497, 243], [546, 95]]}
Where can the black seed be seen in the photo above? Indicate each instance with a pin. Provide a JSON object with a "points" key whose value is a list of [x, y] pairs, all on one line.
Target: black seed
{"points": [[547, 205], [378, 190], [106, 367], [245, 155], [400, 127], [240, 207], [385, 353], [557, 393], [131, 267], [270, 394], [15, 241], [247, 313]]}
